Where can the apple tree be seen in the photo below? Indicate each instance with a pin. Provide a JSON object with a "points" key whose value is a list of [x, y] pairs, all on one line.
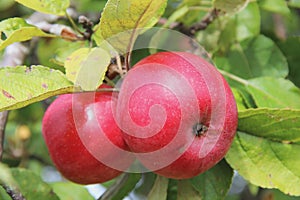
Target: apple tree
{"points": [[152, 99]]}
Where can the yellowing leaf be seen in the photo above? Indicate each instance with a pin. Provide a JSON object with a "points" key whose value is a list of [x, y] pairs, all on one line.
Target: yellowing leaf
{"points": [[56, 7], [121, 20], [86, 67], [21, 85], [18, 30]]}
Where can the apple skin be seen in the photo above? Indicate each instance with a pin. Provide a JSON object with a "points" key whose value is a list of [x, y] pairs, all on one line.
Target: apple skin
{"points": [[140, 101], [67, 115]]}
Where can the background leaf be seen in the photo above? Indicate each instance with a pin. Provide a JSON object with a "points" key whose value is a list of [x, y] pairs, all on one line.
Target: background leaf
{"points": [[264, 156], [68, 190], [274, 92], [32, 186], [18, 30], [55, 7], [224, 31], [187, 191], [159, 189], [294, 3], [21, 85], [129, 185], [279, 6], [254, 57], [291, 49], [121, 19], [214, 183]]}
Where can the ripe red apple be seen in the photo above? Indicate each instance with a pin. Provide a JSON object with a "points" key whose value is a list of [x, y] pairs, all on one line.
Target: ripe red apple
{"points": [[177, 113], [78, 130]]}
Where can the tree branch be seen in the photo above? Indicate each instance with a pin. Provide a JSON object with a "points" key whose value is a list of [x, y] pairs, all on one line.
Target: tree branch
{"points": [[3, 120], [202, 25], [14, 194]]}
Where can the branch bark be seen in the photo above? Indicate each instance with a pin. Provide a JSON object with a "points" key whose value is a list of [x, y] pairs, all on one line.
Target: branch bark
{"points": [[202, 25], [14, 194], [3, 120]]}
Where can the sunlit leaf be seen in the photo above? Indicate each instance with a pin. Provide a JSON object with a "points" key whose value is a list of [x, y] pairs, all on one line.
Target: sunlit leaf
{"points": [[274, 92], [121, 20], [21, 85], [56, 7], [263, 154], [18, 30], [86, 67], [68, 190]]}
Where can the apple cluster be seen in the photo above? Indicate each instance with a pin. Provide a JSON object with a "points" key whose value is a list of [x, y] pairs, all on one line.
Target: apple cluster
{"points": [[174, 113]]}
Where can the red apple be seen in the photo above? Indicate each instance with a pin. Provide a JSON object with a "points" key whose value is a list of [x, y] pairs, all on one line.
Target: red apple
{"points": [[82, 137], [177, 113]]}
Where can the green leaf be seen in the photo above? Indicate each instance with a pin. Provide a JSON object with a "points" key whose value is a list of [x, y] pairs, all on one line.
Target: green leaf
{"points": [[282, 125], [176, 15], [145, 185], [3, 194], [68, 190], [274, 92], [55, 7], [254, 57], [294, 3], [291, 49], [266, 148], [32, 186], [18, 30], [86, 67], [276, 194], [240, 102], [159, 190], [6, 177], [6, 4], [209, 185], [226, 30], [187, 191], [196, 10], [21, 85], [129, 185], [230, 6], [121, 20], [278, 6]]}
